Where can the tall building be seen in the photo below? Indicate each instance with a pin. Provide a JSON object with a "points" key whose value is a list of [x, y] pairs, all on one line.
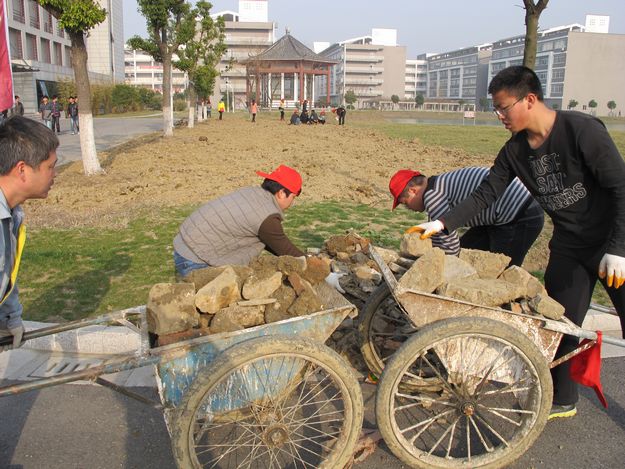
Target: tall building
{"points": [[142, 70], [572, 65], [248, 33], [41, 55], [105, 44], [416, 75], [369, 66], [455, 75]]}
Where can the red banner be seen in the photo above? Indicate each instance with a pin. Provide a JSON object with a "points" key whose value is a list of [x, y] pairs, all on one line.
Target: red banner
{"points": [[6, 78]]}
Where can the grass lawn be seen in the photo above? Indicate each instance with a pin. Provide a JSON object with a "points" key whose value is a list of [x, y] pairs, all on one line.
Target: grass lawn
{"points": [[75, 273]]}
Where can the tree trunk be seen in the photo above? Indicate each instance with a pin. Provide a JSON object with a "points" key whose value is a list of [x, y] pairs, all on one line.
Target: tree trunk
{"points": [[192, 104], [532, 15], [90, 162], [168, 120]]}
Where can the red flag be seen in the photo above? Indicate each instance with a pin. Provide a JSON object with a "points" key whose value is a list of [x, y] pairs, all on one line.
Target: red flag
{"points": [[6, 77], [586, 368]]}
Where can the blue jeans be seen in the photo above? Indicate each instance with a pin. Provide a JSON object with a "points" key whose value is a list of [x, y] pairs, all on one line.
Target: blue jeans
{"points": [[184, 266], [73, 121]]}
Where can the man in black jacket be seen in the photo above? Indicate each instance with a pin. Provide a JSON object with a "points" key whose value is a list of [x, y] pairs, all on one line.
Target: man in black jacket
{"points": [[569, 163]]}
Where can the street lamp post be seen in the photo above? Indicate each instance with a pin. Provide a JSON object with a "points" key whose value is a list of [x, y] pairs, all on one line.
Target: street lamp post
{"points": [[227, 96]]}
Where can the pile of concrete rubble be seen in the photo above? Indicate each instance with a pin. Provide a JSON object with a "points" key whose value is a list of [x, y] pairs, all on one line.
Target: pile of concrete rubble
{"points": [[230, 298], [475, 276]]}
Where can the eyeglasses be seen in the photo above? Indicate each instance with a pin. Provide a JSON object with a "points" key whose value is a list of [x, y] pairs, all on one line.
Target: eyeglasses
{"points": [[503, 112]]}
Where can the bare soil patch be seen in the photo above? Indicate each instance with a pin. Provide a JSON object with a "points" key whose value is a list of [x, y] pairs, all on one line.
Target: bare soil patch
{"points": [[152, 173]]}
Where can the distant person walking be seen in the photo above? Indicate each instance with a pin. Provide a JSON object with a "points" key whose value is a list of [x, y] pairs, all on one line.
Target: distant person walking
{"points": [[254, 110], [18, 107], [72, 113], [56, 114], [281, 109], [45, 109], [221, 107], [340, 113]]}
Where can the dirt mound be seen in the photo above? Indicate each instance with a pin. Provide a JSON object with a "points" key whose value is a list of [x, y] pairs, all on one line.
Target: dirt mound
{"points": [[195, 165]]}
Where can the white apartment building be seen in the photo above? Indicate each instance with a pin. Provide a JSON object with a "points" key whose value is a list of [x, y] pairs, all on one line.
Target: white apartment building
{"points": [[142, 70], [248, 33], [416, 76], [370, 66], [40, 50]]}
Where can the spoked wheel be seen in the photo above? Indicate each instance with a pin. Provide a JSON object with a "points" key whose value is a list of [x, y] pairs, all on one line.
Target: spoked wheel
{"points": [[383, 328], [271, 402], [494, 399]]}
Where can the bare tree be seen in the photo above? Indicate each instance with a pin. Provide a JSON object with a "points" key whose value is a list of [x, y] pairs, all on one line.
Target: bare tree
{"points": [[532, 14]]}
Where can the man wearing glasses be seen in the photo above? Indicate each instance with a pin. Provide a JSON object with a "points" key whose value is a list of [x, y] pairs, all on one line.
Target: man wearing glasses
{"points": [[569, 163]]}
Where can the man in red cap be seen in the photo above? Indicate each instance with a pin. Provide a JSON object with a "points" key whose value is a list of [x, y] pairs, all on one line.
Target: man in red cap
{"points": [[235, 228], [509, 226]]}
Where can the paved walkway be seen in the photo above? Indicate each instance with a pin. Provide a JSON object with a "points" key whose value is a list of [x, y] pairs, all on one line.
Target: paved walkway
{"points": [[109, 132]]}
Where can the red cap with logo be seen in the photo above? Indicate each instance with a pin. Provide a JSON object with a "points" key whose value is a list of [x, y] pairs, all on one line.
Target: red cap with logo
{"points": [[398, 183], [285, 176]]}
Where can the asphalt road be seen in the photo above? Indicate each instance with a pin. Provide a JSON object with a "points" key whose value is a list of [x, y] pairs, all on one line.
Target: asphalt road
{"points": [[84, 426]]}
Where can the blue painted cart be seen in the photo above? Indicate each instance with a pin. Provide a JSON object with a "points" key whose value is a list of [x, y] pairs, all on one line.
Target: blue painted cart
{"points": [[270, 396]]}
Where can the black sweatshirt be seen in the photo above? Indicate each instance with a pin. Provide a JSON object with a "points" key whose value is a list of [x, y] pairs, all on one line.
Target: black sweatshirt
{"points": [[577, 175]]}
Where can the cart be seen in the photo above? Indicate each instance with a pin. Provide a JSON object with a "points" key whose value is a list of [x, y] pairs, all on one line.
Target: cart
{"points": [[463, 385], [270, 396]]}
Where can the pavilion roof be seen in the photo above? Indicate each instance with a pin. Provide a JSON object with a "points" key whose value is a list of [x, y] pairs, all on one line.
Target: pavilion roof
{"points": [[289, 48]]}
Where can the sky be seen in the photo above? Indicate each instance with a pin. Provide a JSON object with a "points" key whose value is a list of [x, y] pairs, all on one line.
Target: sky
{"points": [[422, 25]]}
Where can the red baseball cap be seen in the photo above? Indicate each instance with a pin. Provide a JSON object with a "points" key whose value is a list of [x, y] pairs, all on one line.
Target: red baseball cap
{"points": [[398, 183], [286, 176]]}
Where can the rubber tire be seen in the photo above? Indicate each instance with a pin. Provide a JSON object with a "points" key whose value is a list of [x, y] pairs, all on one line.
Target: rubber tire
{"points": [[367, 316], [445, 329], [267, 346]]}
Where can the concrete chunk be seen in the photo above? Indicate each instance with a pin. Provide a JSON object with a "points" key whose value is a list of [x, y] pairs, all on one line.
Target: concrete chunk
{"points": [[525, 280], [487, 264], [256, 287], [457, 268], [486, 292], [278, 311], [171, 308], [547, 306], [426, 274], [219, 293], [246, 316], [223, 322], [387, 255], [412, 245]]}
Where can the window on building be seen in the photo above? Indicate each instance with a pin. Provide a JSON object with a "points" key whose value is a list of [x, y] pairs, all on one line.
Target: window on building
{"points": [[47, 25], [559, 59], [557, 89], [45, 51], [31, 47], [19, 14], [60, 31], [497, 66], [68, 56], [58, 54], [33, 13], [557, 74], [15, 42], [542, 76]]}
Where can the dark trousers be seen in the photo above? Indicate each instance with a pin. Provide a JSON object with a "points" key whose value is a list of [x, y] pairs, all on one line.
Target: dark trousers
{"points": [[281, 114], [253, 117], [221, 113], [56, 124], [513, 239], [342, 118], [570, 279]]}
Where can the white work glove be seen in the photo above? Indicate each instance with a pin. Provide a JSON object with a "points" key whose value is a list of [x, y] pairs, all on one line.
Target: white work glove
{"points": [[16, 333], [427, 229], [614, 268], [333, 280]]}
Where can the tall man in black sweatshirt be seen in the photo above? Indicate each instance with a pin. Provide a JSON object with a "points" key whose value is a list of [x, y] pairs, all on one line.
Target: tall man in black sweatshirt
{"points": [[569, 163]]}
